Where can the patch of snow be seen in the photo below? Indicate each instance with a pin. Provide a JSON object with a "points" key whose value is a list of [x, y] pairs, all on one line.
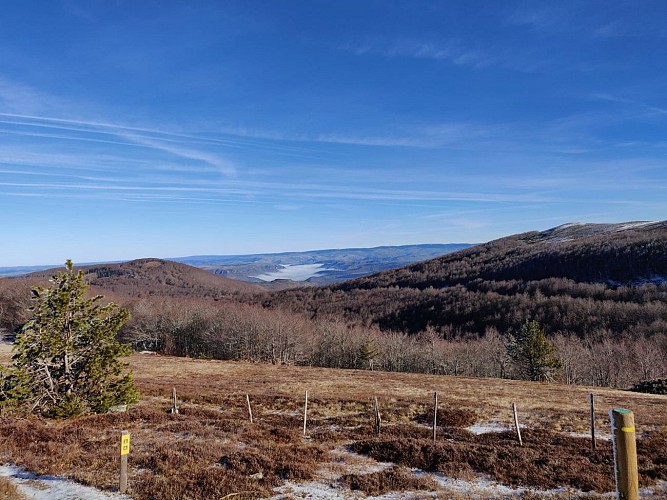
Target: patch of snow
{"points": [[483, 488], [485, 428], [657, 491], [633, 225], [359, 464], [600, 436], [312, 489], [653, 280], [656, 279], [36, 487]]}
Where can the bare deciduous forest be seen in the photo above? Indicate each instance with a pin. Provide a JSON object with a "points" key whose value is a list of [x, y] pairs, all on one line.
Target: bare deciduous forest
{"points": [[597, 290]]}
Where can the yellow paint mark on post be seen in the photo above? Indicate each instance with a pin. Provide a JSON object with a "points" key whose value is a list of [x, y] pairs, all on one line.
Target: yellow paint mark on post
{"points": [[628, 429], [125, 444]]}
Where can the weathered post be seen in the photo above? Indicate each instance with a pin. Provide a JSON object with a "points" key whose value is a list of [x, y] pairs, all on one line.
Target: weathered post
{"points": [[247, 398], [378, 418], [516, 424], [435, 413], [305, 414], [625, 453], [593, 444], [124, 452], [174, 408]]}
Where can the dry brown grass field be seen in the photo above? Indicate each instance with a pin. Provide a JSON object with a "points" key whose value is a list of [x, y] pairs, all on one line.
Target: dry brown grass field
{"points": [[211, 450]]}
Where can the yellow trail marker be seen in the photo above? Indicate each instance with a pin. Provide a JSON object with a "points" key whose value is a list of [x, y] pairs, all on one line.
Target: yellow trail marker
{"points": [[125, 444], [124, 452]]}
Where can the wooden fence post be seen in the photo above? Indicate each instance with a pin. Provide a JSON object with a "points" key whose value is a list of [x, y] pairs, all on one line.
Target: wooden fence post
{"points": [[625, 453], [593, 444], [435, 414], [378, 418], [174, 408], [516, 424], [305, 414], [124, 452], [247, 397]]}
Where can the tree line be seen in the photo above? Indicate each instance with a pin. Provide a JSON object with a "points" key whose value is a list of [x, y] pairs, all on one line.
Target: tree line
{"points": [[232, 331], [229, 330]]}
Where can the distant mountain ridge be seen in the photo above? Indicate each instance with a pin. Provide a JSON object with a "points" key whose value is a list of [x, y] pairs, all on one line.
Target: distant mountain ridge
{"points": [[336, 264]]}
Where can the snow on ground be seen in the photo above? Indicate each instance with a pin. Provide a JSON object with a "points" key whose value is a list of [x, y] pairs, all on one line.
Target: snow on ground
{"points": [[487, 488], [481, 488], [478, 489], [485, 428], [35, 487], [345, 461], [634, 225], [602, 436]]}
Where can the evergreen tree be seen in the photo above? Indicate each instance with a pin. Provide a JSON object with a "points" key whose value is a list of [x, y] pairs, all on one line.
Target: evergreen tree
{"points": [[368, 352], [534, 357], [66, 357]]}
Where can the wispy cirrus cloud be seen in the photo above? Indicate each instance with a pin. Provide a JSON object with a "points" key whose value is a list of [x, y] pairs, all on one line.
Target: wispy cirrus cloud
{"points": [[453, 51], [111, 133], [631, 102], [20, 98], [546, 18], [221, 164], [475, 54]]}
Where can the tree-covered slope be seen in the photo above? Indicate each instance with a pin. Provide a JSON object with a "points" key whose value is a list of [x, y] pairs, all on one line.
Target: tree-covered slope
{"points": [[584, 279]]}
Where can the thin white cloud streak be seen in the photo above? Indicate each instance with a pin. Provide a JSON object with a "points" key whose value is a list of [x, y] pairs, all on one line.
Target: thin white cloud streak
{"points": [[44, 135], [222, 165], [431, 136], [452, 51], [625, 29], [519, 58], [640, 105], [503, 137], [549, 19], [21, 98], [275, 190], [120, 130]]}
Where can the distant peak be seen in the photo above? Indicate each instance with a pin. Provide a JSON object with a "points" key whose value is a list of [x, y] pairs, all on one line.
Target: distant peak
{"points": [[576, 230]]}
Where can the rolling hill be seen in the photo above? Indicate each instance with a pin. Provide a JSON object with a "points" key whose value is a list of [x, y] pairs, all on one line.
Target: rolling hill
{"points": [[156, 277], [581, 279], [589, 280]]}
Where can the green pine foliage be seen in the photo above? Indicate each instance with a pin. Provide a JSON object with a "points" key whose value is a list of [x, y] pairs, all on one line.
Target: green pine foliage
{"points": [[368, 352], [657, 386], [533, 356], [66, 357]]}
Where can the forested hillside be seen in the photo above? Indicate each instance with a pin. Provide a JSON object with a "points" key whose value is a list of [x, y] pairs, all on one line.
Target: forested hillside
{"points": [[145, 277], [589, 280], [125, 284], [597, 290]]}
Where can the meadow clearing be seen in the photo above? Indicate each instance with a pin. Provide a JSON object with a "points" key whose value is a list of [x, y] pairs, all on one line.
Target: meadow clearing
{"points": [[210, 449]]}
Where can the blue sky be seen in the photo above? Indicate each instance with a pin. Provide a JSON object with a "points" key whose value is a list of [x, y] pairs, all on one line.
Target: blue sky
{"points": [[160, 128]]}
